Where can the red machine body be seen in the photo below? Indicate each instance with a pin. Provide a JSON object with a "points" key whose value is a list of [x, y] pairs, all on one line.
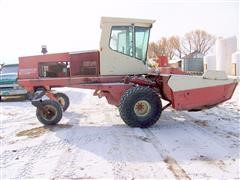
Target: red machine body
{"points": [[119, 72], [82, 70]]}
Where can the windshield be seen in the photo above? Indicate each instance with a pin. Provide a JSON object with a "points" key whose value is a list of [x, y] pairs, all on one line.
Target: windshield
{"points": [[130, 40], [9, 69], [141, 42]]}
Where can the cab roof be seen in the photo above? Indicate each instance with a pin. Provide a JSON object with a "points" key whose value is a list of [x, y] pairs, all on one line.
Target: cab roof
{"points": [[116, 20]]}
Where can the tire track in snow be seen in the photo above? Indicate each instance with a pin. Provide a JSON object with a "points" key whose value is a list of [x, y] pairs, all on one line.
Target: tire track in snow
{"points": [[33, 154], [171, 163], [117, 166], [231, 149], [130, 145], [176, 169], [189, 127], [224, 116], [204, 133], [10, 155], [68, 156], [66, 159], [208, 131]]}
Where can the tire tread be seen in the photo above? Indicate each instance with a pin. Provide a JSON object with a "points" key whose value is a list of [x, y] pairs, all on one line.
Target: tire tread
{"points": [[59, 112], [126, 111]]}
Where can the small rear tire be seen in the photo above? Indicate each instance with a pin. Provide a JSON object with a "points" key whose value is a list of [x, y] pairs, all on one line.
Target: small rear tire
{"points": [[140, 107], [49, 113], [63, 100]]}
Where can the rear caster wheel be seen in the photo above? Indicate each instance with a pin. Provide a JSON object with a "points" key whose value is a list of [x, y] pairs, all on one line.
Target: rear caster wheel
{"points": [[49, 112], [63, 100]]}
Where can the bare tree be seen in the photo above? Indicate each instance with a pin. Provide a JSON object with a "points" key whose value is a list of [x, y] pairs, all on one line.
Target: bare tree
{"points": [[175, 43], [163, 47], [197, 41], [152, 50]]}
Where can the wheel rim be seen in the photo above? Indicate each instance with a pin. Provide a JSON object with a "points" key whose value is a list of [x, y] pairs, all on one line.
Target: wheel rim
{"points": [[49, 112], [142, 108], [61, 101]]}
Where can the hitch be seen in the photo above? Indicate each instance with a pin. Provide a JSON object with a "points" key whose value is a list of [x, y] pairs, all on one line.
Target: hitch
{"points": [[37, 98]]}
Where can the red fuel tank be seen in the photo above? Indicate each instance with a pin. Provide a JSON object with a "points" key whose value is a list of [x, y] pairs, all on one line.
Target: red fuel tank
{"points": [[162, 61]]}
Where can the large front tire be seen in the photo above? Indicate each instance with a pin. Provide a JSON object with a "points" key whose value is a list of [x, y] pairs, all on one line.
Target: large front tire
{"points": [[140, 107], [49, 113]]}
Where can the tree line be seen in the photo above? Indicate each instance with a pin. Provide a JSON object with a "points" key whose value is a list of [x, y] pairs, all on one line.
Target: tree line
{"points": [[194, 41]]}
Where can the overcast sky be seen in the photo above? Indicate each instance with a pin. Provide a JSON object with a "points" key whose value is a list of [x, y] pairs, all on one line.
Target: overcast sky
{"points": [[73, 25]]}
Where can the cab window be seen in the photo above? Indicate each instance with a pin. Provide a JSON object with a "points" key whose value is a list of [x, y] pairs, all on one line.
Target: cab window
{"points": [[122, 39], [130, 40], [141, 42]]}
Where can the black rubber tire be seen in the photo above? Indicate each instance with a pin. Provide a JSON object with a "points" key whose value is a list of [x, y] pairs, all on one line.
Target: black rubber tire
{"points": [[65, 98], [55, 109], [134, 95]]}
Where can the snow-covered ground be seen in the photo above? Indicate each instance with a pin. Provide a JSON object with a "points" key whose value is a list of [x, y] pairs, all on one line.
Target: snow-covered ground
{"points": [[91, 141]]}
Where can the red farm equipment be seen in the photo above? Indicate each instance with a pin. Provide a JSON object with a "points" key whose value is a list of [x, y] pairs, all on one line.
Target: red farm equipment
{"points": [[118, 71]]}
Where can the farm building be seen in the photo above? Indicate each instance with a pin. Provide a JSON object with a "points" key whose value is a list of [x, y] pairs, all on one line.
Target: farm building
{"points": [[193, 62]]}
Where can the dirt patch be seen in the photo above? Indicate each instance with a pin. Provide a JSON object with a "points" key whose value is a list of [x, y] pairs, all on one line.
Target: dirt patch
{"points": [[36, 132], [142, 138], [201, 123], [176, 169], [218, 163], [32, 133], [204, 158], [9, 113]]}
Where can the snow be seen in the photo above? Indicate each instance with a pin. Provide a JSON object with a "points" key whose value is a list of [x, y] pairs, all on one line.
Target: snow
{"points": [[92, 141]]}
